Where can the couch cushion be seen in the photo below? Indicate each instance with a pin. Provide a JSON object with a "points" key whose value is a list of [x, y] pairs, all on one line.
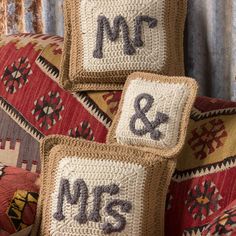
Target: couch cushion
{"points": [[33, 105], [18, 198], [154, 112]]}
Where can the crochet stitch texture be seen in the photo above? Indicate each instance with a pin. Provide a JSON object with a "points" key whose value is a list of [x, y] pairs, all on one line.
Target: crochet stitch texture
{"points": [[106, 40], [154, 112], [135, 207], [116, 189]]}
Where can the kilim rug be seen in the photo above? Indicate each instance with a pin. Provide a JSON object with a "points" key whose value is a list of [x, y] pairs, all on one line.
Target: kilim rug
{"points": [[203, 184], [224, 222], [33, 105]]}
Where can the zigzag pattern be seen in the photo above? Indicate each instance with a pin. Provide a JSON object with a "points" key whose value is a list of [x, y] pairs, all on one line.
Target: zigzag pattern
{"points": [[228, 163], [197, 115], [48, 68], [19, 118], [197, 231], [94, 109]]}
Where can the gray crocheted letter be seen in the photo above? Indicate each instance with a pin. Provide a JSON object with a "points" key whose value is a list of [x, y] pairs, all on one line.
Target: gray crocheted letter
{"points": [[80, 190], [113, 34]]}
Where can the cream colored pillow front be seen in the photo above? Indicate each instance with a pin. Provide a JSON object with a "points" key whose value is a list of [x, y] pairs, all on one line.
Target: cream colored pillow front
{"points": [[154, 112], [106, 40], [92, 189]]}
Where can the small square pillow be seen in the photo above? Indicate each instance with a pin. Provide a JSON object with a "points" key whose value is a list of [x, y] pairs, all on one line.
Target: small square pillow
{"points": [[106, 40], [154, 112], [101, 189]]}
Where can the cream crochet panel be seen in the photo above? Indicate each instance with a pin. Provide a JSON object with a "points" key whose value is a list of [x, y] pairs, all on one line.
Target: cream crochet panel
{"points": [[140, 176], [150, 57], [161, 51], [172, 97], [130, 178], [169, 99]]}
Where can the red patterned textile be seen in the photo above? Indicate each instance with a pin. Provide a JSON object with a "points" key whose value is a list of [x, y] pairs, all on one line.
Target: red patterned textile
{"points": [[18, 198], [33, 105], [224, 223], [203, 183], [46, 106]]}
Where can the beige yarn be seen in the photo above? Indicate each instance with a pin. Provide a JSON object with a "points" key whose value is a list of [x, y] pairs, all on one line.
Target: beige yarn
{"points": [[173, 96], [141, 172], [104, 163], [162, 51], [169, 99], [126, 175]]}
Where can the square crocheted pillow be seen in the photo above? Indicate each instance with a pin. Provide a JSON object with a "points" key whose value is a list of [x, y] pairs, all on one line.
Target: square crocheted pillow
{"points": [[106, 40], [154, 112], [101, 189]]}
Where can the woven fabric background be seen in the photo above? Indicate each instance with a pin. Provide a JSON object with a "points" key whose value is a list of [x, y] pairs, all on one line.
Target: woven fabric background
{"points": [[29, 111], [210, 47], [18, 197], [203, 183], [216, 227], [206, 165]]}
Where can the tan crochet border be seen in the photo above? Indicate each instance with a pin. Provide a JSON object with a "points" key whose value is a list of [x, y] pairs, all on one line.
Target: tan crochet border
{"points": [[74, 78], [179, 42], [159, 171], [192, 85]]}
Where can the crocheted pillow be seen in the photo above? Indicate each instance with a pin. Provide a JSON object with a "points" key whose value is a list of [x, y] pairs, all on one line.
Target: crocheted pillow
{"points": [[106, 40], [154, 112], [98, 189]]}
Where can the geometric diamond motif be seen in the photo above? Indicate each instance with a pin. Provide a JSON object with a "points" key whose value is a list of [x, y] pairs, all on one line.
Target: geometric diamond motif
{"points": [[48, 109], [224, 224], [16, 75], [22, 205], [83, 131], [203, 200], [207, 138]]}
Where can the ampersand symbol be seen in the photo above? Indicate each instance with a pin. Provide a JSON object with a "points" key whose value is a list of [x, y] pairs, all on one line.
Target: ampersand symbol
{"points": [[149, 126]]}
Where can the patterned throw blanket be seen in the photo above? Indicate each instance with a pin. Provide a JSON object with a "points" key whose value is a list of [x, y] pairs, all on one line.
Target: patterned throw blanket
{"points": [[32, 105]]}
